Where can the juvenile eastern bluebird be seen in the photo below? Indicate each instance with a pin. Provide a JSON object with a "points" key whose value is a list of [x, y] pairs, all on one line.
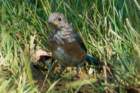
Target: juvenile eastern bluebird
{"points": [[66, 45]]}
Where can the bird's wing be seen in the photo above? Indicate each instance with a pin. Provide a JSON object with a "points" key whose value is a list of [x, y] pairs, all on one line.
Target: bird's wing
{"points": [[80, 41]]}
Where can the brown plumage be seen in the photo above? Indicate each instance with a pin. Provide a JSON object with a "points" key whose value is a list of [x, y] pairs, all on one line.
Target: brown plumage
{"points": [[65, 44]]}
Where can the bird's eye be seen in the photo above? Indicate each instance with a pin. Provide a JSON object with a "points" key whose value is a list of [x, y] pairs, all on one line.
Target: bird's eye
{"points": [[59, 19]]}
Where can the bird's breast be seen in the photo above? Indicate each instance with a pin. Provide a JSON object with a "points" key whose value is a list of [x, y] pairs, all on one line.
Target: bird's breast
{"points": [[67, 58], [66, 49]]}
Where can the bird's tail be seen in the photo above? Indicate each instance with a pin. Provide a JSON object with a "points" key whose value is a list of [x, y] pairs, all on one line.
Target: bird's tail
{"points": [[98, 64], [92, 60]]}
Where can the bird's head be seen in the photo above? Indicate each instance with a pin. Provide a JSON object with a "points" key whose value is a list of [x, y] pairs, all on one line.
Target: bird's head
{"points": [[57, 20]]}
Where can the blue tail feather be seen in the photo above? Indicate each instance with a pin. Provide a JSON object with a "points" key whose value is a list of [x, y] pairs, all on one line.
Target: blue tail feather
{"points": [[92, 60]]}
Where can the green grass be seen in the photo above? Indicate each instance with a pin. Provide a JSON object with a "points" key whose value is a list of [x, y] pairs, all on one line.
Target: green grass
{"points": [[110, 30]]}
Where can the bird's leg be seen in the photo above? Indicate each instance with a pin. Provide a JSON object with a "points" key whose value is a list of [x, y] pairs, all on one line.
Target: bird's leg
{"points": [[85, 68], [52, 67], [62, 69], [78, 70]]}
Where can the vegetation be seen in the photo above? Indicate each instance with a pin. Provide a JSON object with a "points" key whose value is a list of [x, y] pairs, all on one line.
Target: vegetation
{"points": [[109, 28]]}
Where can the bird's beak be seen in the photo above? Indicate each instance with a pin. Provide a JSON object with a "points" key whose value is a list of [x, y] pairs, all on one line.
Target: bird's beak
{"points": [[54, 23]]}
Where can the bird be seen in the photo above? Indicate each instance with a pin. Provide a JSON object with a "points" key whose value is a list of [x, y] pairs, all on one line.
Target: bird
{"points": [[66, 44]]}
